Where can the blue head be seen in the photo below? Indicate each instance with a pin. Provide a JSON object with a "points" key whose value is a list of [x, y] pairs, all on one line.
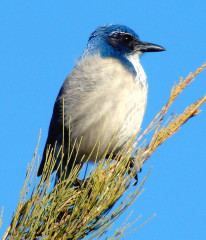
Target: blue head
{"points": [[118, 41]]}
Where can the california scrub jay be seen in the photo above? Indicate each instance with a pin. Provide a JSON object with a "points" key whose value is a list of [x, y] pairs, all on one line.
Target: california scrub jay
{"points": [[104, 96]]}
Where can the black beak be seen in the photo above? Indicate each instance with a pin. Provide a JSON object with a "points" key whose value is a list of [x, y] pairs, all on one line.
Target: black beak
{"points": [[148, 47]]}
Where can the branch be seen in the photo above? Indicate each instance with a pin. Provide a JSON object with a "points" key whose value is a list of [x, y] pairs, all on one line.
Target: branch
{"points": [[70, 212]]}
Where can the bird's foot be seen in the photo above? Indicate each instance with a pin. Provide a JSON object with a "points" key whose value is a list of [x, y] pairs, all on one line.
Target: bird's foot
{"points": [[134, 164], [80, 182]]}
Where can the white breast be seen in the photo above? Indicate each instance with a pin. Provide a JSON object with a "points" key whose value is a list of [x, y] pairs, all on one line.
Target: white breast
{"points": [[136, 101], [103, 99], [141, 76]]}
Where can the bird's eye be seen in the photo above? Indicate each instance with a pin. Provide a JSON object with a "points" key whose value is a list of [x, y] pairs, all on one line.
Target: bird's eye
{"points": [[127, 38]]}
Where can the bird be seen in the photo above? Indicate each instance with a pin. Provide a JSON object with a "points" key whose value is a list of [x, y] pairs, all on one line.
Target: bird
{"points": [[103, 99]]}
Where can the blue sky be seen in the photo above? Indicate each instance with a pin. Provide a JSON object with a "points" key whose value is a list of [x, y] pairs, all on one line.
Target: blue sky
{"points": [[40, 42]]}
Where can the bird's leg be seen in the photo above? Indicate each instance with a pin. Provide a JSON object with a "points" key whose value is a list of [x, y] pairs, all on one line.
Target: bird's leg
{"points": [[133, 164], [79, 182], [136, 165]]}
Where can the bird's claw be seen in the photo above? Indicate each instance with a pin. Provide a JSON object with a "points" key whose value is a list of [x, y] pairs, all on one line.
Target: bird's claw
{"points": [[137, 168], [80, 182]]}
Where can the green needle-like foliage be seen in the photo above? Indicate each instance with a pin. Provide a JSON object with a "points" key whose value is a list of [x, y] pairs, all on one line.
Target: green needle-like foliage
{"points": [[72, 211]]}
